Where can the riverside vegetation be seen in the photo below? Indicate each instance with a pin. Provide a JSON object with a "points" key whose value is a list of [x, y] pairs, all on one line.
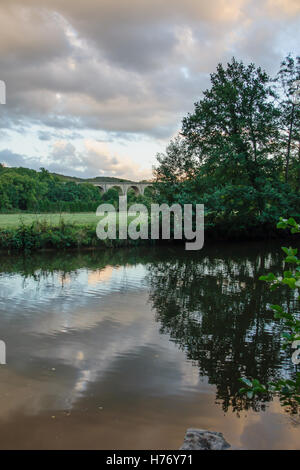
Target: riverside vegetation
{"points": [[288, 390]]}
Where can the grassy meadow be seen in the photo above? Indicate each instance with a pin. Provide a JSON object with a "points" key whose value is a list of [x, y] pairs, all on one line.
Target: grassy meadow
{"points": [[80, 218], [22, 231]]}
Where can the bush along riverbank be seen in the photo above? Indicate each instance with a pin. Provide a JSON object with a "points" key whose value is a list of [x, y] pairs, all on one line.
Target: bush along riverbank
{"points": [[38, 236]]}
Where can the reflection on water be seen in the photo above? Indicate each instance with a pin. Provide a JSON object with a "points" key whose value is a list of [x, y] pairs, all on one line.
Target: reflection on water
{"points": [[127, 349]]}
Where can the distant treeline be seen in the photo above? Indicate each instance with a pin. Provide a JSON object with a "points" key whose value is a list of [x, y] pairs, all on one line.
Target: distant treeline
{"points": [[22, 189]]}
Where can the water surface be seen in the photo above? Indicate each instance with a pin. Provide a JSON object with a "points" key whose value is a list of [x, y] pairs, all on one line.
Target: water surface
{"points": [[127, 349]]}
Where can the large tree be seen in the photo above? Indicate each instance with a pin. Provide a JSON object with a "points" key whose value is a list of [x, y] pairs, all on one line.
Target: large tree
{"points": [[289, 81], [233, 130], [230, 153]]}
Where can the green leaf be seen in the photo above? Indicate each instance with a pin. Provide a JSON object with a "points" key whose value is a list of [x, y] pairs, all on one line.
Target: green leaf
{"points": [[292, 221], [246, 381], [277, 308], [290, 282], [269, 277]]}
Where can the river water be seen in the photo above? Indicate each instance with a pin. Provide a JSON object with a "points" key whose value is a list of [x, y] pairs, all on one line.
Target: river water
{"points": [[126, 349]]}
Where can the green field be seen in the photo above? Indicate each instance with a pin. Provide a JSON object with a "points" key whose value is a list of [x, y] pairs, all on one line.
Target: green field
{"points": [[14, 220], [57, 231]]}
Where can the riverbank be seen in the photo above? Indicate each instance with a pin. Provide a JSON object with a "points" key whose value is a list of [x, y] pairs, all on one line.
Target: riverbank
{"points": [[39, 236], [78, 231]]}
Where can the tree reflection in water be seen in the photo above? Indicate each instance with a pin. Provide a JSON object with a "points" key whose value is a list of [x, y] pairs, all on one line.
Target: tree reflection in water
{"points": [[214, 307]]}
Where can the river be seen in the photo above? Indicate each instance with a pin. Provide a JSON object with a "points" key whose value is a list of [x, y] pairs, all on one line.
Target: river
{"points": [[126, 349]]}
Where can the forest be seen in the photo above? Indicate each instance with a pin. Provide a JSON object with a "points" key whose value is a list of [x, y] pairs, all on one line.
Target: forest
{"points": [[26, 190]]}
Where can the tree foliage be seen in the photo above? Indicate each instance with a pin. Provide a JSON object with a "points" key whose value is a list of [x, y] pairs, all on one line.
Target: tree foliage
{"points": [[239, 151], [22, 189], [288, 390]]}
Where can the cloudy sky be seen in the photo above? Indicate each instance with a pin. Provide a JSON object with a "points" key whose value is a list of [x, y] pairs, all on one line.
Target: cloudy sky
{"points": [[98, 87]]}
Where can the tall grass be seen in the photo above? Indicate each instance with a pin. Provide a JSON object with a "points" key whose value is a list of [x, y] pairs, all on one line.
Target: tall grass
{"points": [[41, 234]]}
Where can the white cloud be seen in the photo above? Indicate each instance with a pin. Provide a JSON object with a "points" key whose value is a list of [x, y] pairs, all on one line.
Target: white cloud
{"points": [[96, 159]]}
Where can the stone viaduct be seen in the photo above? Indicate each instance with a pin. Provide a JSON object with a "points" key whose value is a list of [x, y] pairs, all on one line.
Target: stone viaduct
{"points": [[138, 188]]}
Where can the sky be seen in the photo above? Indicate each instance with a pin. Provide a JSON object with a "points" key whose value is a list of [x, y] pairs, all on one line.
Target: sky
{"points": [[99, 87]]}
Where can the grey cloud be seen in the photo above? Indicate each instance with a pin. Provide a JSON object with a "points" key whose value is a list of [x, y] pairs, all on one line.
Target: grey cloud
{"points": [[30, 35], [127, 66], [46, 135]]}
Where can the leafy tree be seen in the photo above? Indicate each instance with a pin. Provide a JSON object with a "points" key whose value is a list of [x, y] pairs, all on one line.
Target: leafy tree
{"points": [[287, 78], [229, 154], [233, 130], [20, 191]]}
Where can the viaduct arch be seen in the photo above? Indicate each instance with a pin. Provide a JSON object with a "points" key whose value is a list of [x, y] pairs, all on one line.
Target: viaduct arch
{"points": [[123, 188]]}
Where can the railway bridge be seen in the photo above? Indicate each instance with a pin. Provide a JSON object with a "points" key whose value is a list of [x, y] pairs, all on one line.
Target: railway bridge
{"points": [[123, 188]]}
